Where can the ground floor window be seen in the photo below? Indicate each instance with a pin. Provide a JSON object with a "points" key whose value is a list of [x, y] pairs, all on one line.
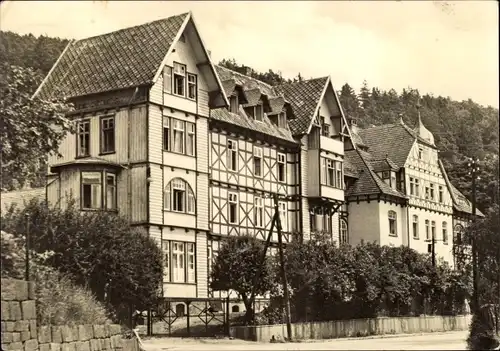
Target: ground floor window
{"points": [[98, 190], [343, 232], [180, 261]]}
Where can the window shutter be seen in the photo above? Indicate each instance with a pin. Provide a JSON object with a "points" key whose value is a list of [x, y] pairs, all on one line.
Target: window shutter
{"points": [[167, 79]]}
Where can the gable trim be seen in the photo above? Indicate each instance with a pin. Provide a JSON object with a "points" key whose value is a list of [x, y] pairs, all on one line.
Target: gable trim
{"points": [[37, 91], [176, 39], [343, 116], [318, 104]]}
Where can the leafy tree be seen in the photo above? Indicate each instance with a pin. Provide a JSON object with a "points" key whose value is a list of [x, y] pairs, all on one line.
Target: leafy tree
{"points": [[30, 129], [99, 250], [236, 266]]}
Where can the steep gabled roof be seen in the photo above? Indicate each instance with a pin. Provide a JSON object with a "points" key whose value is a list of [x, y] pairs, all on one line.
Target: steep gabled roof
{"points": [[368, 182], [304, 96], [389, 140], [125, 58]]}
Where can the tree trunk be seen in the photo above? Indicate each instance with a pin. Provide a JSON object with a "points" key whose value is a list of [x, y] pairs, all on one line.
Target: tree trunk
{"points": [[249, 313]]}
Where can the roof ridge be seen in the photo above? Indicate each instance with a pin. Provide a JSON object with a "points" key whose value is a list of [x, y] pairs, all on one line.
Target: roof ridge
{"points": [[128, 28], [304, 81], [246, 76]]}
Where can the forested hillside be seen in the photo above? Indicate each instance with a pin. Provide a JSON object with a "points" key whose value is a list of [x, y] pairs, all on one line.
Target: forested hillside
{"points": [[460, 128]]}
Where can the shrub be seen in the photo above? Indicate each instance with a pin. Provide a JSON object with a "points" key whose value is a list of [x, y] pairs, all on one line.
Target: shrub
{"points": [[59, 301]]}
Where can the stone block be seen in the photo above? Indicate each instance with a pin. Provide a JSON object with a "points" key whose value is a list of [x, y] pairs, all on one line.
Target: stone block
{"points": [[8, 290], [114, 329], [85, 332], [44, 347], [44, 335], [56, 332], [82, 346], [15, 346], [95, 345], [21, 326], [10, 326], [54, 346], [69, 334], [31, 291], [21, 290], [70, 346], [16, 337], [116, 341], [31, 345], [99, 331], [25, 335], [29, 310], [7, 337], [15, 311], [33, 329], [5, 310], [106, 344]]}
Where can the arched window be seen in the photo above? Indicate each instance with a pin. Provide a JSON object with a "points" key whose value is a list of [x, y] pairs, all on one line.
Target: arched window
{"points": [[392, 223], [179, 197], [445, 232], [344, 234], [235, 309]]}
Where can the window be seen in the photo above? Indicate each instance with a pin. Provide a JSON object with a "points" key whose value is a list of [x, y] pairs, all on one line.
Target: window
{"points": [[179, 197], [283, 211], [392, 223], [192, 84], [166, 255], [256, 112], [233, 208], [191, 265], [233, 104], [412, 186], [166, 133], [427, 230], [110, 191], [433, 230], [420, 153], [281, 167], [312, 221], [330, 172], [344, 234], [339, 174], [327, 222], [190, 140], [415, 227], [257, 161], [282, 120], [107, 135], [432, 191], [232, 155], [459, 229], [445, 232], [83, 137], [325, 128], [91, 190], [427, 193], [441, 193], [393, 180], [167, 79], [179, 79], [258, 212], [178, 264], [417, 193], [178, 138]]}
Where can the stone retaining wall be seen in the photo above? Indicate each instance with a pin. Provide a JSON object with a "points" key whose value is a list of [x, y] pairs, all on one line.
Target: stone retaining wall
{"points": [[20, 331]]}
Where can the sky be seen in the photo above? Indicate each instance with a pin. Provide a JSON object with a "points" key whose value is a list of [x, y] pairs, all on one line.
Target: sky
{"points": [[443, 48]]}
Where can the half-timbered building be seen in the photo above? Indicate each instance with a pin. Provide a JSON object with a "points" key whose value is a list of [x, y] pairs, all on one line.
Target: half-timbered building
{"points": [[193, 152]]}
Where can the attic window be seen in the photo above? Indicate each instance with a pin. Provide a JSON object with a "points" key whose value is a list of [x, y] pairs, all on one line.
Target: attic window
{"points": [[282, 120], [233, 104], [179, 79]]}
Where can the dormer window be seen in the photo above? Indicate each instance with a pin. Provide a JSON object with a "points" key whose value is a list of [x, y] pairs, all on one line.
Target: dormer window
{"points": [[179, 79], [233, 104], [256, 112], [282, 120]]}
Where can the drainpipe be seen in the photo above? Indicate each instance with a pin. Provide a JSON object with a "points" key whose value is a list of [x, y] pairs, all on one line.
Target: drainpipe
{"points": [[299, 172]]}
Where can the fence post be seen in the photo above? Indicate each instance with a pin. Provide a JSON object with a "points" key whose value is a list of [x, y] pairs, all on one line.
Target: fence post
{"points": [[187, 318]]}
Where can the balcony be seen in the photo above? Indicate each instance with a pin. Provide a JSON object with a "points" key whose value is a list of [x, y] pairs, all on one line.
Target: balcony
{"points": [[335, 146]]}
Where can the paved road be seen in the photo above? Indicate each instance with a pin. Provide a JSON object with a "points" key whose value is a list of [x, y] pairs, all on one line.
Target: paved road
{"points": [[435, 341]]}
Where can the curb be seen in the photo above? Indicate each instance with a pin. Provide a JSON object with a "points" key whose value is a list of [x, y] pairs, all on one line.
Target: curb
{"points": [[382, 336]]}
